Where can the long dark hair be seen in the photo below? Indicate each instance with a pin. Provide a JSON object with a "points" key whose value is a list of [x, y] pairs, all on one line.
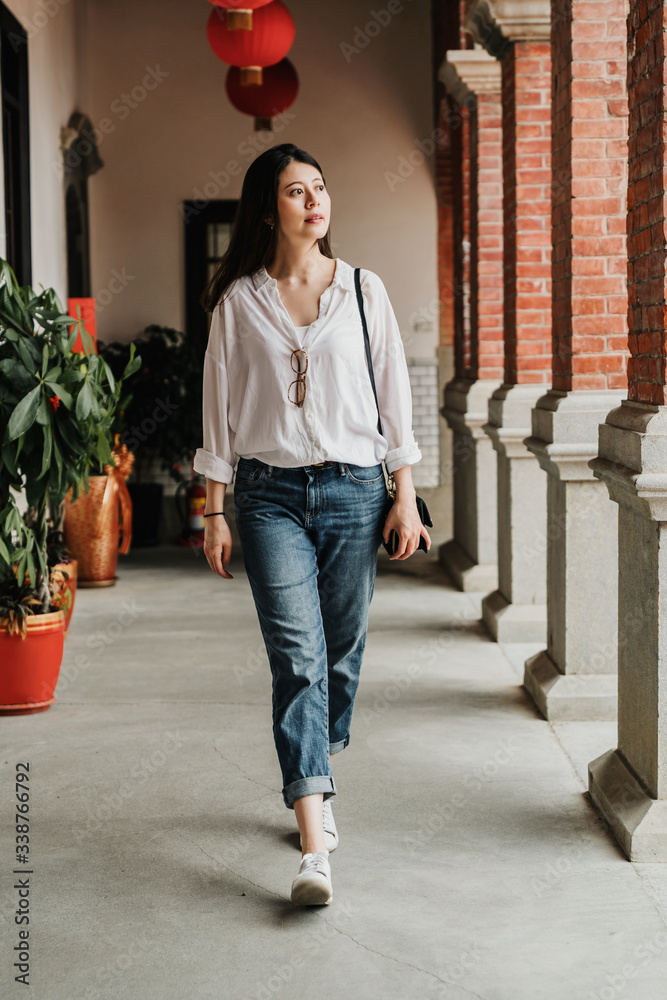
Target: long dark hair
{"points": [[252, 243]]}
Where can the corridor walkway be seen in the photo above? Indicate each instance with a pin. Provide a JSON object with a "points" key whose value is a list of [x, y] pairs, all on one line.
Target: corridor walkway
{"points": [[470, 863]]}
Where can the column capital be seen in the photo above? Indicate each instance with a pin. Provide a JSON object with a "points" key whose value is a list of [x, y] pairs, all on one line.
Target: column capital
{"points": [[497, 23], [632, 457], [565, 430], [466, 72]]}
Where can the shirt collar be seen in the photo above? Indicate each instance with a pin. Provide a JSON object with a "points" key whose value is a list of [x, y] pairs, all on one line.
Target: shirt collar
{"points": [[343, 277]]}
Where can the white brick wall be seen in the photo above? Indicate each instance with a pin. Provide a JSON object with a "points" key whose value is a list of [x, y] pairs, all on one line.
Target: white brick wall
{"points": [[425, 421]]}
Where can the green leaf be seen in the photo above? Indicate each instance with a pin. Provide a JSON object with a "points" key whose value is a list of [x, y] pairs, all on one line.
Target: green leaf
{"points": [[4, 553], [71, 340], [84, 402], [24, 415], [73, 375], [17, 374], [59, 390], [29, 352], [112, 381], [45, 359], [46, 461], [43, 416], [59, 465]]}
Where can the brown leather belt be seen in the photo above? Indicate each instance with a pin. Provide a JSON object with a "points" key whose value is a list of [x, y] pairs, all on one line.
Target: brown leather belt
{"points": [[319, 464]]}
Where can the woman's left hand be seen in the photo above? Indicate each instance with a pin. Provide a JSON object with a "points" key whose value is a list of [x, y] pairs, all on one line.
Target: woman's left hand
{"points": [[404, 518]]}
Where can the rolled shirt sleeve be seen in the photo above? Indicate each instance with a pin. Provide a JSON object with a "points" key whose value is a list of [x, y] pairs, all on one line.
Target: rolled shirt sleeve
{"points": [[392, 380], [216, 458]]}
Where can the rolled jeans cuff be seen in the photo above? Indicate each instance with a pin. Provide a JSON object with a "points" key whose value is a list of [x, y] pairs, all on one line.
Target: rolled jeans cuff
{"points": [[337, 747], [309, 786]]}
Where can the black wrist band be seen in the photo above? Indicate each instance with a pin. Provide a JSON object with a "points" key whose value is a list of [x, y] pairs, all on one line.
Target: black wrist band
{"points": [[215, 514]]}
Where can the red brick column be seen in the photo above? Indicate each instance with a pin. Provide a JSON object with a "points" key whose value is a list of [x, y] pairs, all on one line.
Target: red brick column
{"points": [[459, 130], [486, 240], [445, 199], [590, 111], [647, 196], [526, 96]]}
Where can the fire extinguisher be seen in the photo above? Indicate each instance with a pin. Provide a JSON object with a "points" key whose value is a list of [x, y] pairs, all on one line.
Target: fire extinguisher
{"points": [[192, 515]]}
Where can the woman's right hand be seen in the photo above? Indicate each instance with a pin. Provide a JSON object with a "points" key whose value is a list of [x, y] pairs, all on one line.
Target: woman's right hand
{"points": [[218, 544]]}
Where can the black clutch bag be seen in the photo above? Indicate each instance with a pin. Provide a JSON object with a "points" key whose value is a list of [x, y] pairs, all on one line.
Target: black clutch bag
{"points": [[422, 509]]}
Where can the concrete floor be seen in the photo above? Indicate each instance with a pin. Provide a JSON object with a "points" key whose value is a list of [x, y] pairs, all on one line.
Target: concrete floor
{"points": [[470, 862]]}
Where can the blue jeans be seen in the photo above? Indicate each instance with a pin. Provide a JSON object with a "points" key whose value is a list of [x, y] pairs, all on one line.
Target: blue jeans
{"points": [[310, 537]]}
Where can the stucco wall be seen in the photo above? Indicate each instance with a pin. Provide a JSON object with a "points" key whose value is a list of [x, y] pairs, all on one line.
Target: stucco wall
{"points": [[54, 28], [357, 112]]}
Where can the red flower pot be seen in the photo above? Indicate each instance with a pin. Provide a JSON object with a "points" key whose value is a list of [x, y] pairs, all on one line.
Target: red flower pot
{"points": [[29, 667]]}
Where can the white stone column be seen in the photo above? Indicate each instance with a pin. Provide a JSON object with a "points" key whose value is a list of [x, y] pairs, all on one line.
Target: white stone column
{"points": [[470, 557], [576, 677], [628, 784], [516, 611]]}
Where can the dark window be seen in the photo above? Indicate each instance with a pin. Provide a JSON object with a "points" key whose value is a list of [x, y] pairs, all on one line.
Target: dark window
{"points": [[78, 265], [80, 161], [15, 138], [207, 229]]}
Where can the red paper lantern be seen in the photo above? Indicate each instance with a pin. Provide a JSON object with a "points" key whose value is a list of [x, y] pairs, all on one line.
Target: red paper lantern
{"points": [[276, 93], [240, 12], [87, 307], [269, 41]]}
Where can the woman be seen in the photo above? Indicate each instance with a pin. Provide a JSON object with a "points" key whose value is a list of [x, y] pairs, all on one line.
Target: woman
{"points": [[287, 389]]}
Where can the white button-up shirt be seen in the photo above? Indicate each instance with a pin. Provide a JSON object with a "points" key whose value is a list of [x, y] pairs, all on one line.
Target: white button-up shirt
{"points": [[247, 373]]}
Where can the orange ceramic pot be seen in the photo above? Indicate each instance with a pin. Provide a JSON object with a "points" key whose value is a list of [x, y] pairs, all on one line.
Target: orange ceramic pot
{"points": [[92, 529], [66, 589], [29, 667]]}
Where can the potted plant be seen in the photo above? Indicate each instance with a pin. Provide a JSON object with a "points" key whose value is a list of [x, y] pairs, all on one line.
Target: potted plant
{"points": [[161, 420], [56, 407]]}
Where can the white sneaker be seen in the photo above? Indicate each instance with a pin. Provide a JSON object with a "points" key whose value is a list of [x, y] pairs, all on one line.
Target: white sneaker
{"points": [[330, 831], [312, 886]]}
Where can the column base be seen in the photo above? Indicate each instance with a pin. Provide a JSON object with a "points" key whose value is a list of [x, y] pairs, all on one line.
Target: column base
{"points": [[638, 822], [467, 575], [570, 697], [508, 622]]}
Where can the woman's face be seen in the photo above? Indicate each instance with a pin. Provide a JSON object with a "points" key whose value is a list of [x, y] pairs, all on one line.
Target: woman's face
{"points": [[304, 206]]}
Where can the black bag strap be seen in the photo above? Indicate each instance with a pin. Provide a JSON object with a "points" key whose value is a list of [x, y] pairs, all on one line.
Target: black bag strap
{"points": [[369, 360]]}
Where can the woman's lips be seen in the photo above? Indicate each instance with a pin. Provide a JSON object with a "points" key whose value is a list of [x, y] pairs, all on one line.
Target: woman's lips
{"points": [[316, 218]]}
